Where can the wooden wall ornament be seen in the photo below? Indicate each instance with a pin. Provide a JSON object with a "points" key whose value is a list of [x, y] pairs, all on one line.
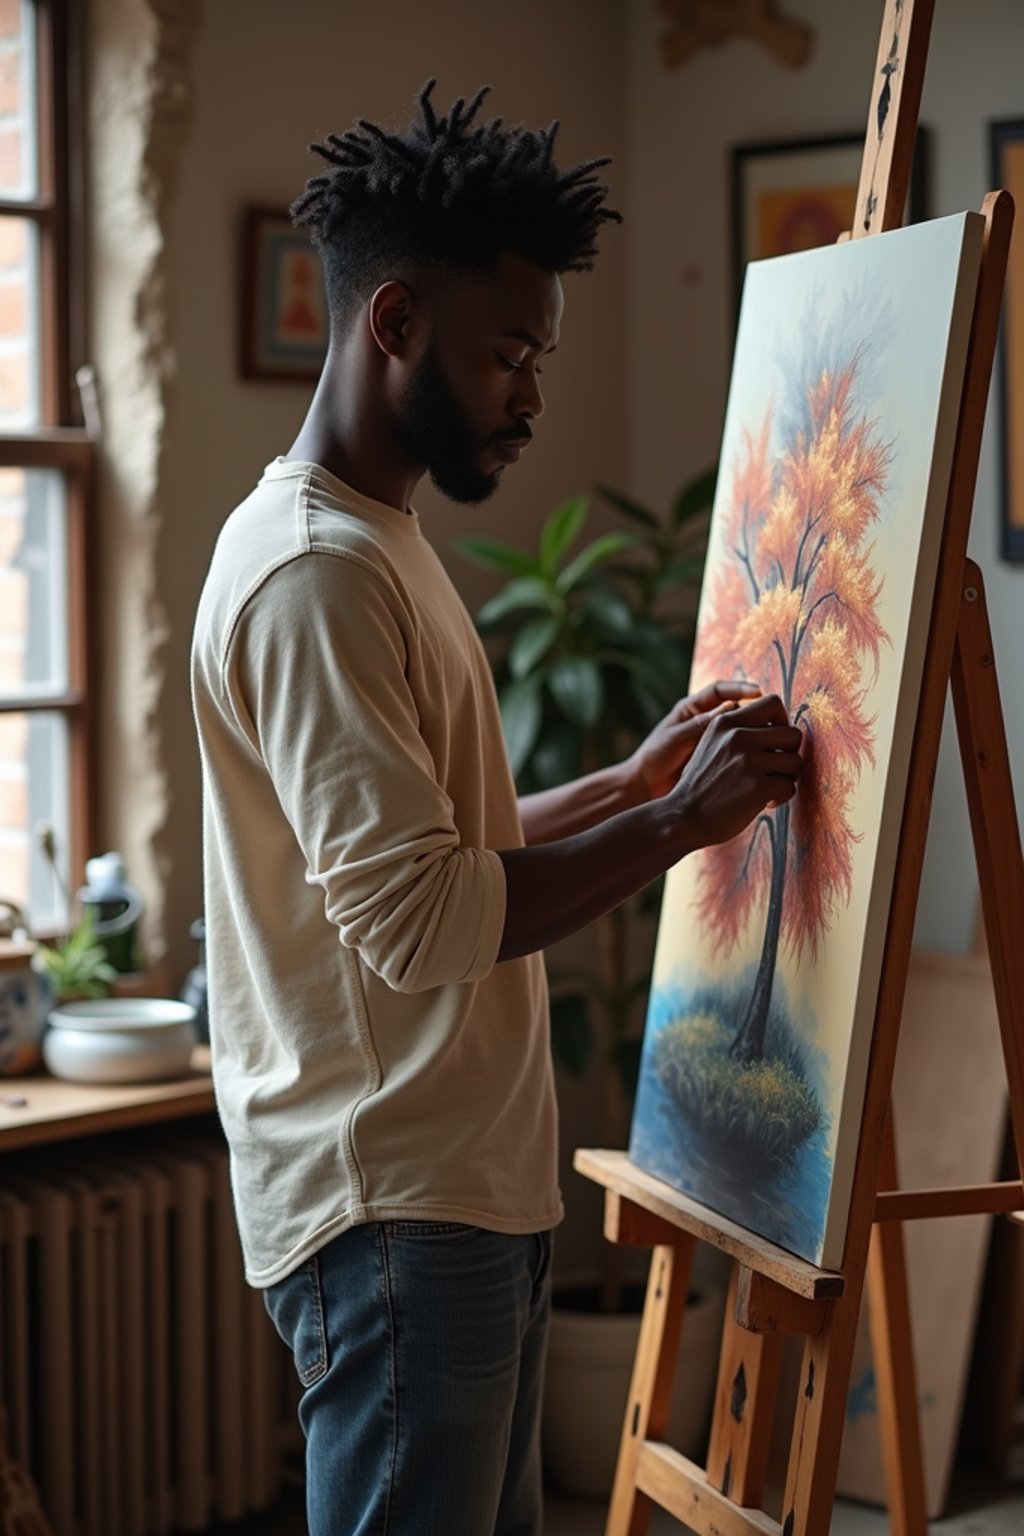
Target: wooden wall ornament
{"points": [[697, 24]]}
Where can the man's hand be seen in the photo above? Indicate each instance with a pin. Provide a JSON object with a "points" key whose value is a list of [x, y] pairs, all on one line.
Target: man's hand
{"points": [[658, 761], [747, 759]]}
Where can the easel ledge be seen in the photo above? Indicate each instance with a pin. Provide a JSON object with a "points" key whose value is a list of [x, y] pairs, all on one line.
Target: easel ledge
{"points": [[671, 1212], [772, 1293]]}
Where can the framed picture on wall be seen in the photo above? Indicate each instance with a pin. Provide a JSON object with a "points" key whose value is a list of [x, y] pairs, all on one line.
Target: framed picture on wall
{"points": [[1007, 142], [283, 329], [794, 194]]}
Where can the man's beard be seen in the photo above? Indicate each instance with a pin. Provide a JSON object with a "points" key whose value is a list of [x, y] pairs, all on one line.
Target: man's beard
{"points": [[434, 430]]}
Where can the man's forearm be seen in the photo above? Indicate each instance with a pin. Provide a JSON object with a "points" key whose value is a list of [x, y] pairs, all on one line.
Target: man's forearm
{"points": [[558, 887], [551, 814], [748, 758]]}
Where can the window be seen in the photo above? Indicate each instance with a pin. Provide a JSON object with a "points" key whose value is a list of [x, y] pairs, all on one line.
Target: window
{"points": [[45, 463]]}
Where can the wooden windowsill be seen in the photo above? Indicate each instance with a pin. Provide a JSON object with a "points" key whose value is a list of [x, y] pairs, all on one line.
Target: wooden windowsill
{"points": [[58, 1111]]}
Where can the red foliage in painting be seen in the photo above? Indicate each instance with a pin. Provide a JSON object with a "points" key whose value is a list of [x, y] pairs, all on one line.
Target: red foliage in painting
{"points": [[793, 605]]}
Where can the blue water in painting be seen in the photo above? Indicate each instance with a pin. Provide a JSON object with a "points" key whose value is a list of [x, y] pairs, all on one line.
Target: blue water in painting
{"points": [[787, 1205]]}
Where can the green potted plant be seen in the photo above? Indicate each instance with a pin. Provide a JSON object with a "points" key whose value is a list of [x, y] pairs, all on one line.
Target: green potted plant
{"points": [[76, 965], [590, 648]]}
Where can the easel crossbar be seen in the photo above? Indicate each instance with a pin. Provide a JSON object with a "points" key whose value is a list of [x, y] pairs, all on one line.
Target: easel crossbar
{"points": [[678, 1485], [960, 1200], [615, 1171]]}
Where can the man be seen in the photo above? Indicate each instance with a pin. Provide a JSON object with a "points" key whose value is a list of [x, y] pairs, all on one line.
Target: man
{"points": [[376, 899]]}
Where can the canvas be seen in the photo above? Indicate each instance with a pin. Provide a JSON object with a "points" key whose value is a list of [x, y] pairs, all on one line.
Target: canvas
{"points": [[819, 583]]}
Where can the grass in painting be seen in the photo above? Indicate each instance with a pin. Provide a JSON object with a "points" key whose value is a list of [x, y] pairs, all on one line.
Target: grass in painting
{"points": [[759, 1112]]}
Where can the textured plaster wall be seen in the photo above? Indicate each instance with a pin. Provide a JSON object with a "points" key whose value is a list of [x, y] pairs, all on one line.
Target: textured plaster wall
{"points": [[139, 95]]}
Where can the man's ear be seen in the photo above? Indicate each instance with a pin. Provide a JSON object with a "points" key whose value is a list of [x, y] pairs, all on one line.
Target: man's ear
{"points": [[390, 315]]}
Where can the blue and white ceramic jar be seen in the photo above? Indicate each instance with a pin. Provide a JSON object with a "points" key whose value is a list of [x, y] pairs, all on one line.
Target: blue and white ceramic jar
{"points": [[25, 1001]]}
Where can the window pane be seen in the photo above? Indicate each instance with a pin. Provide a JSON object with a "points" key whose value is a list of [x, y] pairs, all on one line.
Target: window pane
{"points": [[34, 787], [33, 583], [19, 324], [19, 174]]}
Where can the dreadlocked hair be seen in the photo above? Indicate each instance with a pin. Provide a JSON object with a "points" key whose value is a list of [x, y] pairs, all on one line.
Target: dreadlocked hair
{"points": [[446, 192]]}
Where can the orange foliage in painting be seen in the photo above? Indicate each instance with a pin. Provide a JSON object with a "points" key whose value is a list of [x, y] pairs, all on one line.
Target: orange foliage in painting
{"points": [[793, 605]]}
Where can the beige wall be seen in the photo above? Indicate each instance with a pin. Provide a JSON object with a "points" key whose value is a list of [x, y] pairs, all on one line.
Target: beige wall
{"points": [[681, 124]]}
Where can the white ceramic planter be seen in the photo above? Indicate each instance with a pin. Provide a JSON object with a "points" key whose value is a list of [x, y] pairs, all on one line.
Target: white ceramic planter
{"points": [[120, 1040], [589, 1365]]}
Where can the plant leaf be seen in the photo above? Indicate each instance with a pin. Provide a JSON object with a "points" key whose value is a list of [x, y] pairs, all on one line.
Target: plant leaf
{"points": [[77, 964], [696, 497], [495, 555], [556, 758], [531, 643], [560, 528], [639, 667], [578, 689], [601, 548], [629, 508], [685, 573], [653, 706], [632, 573], [521, 592], [610, 611], [520, 719], [572, 1039]]}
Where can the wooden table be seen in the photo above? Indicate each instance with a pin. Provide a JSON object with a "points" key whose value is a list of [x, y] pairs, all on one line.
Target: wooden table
{"points": [[54, 1110]]}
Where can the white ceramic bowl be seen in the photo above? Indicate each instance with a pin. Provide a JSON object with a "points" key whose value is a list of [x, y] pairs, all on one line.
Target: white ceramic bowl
{"points": [[120, 1040]]}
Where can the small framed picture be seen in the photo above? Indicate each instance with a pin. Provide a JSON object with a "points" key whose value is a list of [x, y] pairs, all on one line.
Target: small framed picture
{"points": [[1007, 143], [284, 323], [794, 194]]}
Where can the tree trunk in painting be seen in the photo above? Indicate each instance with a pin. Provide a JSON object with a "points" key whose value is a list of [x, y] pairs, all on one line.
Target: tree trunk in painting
{"points": [[792, 604], [749, 1043]]}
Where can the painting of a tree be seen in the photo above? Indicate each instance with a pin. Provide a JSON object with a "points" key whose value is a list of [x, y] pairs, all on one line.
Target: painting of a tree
{"points": [[824, 542], [794, 607]]}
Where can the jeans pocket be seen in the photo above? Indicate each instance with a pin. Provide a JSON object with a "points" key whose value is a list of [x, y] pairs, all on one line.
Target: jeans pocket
{"points": [[296, 1309], [428, 1229]]}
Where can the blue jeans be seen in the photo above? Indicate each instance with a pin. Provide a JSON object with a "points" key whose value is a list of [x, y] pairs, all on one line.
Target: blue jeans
{"points": [[421, 1349]]}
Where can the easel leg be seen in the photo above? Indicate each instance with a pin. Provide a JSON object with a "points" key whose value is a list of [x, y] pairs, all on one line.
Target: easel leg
{"points": [[748, 1384], [979, 719], [650, 1391], [893, 1350], [820, 1418]]}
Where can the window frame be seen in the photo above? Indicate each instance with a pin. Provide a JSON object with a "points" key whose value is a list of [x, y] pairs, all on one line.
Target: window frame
{"points": [[61, 443]]}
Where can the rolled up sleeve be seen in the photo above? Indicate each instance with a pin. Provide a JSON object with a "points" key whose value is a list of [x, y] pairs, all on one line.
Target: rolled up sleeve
{"points": [[317, 677]]}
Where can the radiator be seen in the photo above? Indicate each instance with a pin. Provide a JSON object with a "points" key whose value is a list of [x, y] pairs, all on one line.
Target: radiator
{"points": [[145, 1387]]}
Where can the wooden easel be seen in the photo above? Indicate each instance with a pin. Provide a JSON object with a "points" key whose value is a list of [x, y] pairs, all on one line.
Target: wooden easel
{"points": [[772, 1293]]}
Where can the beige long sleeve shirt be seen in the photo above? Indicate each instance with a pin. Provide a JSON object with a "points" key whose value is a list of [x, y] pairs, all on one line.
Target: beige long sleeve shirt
{"points": [[371, 1060]]}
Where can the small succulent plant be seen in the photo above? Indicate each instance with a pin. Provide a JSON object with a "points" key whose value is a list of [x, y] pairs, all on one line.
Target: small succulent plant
{"points": [[76, 966]]}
